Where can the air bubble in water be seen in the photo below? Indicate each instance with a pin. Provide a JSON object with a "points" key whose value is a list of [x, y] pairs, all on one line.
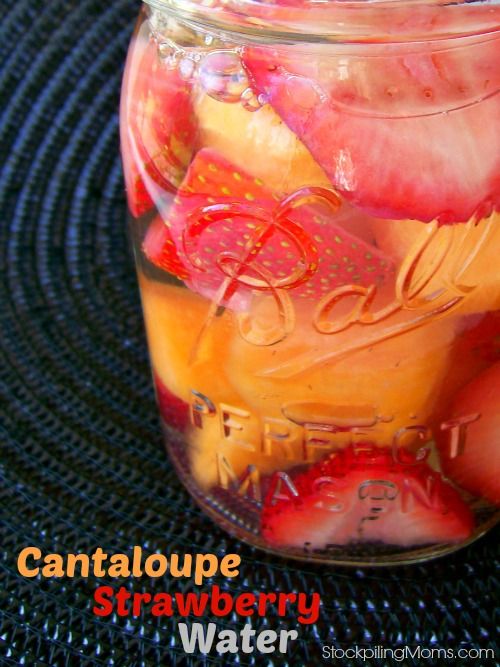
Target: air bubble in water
{"points": [[251, 101], [223, 77], [187, 68]]}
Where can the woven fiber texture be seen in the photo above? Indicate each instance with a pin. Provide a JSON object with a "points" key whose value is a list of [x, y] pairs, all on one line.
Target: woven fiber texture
{"points": [[83, 464]]}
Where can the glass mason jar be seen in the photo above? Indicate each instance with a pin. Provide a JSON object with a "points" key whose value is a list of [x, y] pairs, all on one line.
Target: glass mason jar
{"points": [[313, 192]]}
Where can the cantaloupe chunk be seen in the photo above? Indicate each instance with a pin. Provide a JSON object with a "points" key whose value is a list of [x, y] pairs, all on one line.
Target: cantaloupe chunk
{"points": [[258, 142], [349, 378], [174, 318], [228, 439], [464, 254]]}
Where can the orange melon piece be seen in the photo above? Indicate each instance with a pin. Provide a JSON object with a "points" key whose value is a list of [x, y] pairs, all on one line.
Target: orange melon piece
{"points": [[242, 455], [229, 439], [174, 317], [258, 142], [466, 254], [365, 380]]}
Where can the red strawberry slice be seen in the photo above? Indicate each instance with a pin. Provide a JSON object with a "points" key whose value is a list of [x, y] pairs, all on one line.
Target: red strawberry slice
{"points": [[174, 411], [160, 249], [138, 198], [470, 438], [225, 224], [362, 494], [402, 132], [158, 131], [480, 337]]}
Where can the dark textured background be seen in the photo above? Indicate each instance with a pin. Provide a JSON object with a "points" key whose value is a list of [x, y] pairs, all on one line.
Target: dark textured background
{"points": [[82, 460]]}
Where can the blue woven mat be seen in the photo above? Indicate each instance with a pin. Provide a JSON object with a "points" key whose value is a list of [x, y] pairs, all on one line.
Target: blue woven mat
{"points": [[83, 464]]}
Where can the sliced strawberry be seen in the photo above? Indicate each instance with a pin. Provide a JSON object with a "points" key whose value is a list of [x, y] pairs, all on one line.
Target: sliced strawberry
{"points": [[470, 438], [160, 249], [138, 198], [224, 223], [174, 411], [158, 131], [402, 132], [362, 494], [480, 337]]}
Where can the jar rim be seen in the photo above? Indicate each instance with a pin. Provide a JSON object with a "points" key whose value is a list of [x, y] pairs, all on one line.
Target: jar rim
{"points": [[340, 21]]}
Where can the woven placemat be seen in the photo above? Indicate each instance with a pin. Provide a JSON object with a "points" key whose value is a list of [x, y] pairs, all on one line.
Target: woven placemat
{"points": [[83, 464]]}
